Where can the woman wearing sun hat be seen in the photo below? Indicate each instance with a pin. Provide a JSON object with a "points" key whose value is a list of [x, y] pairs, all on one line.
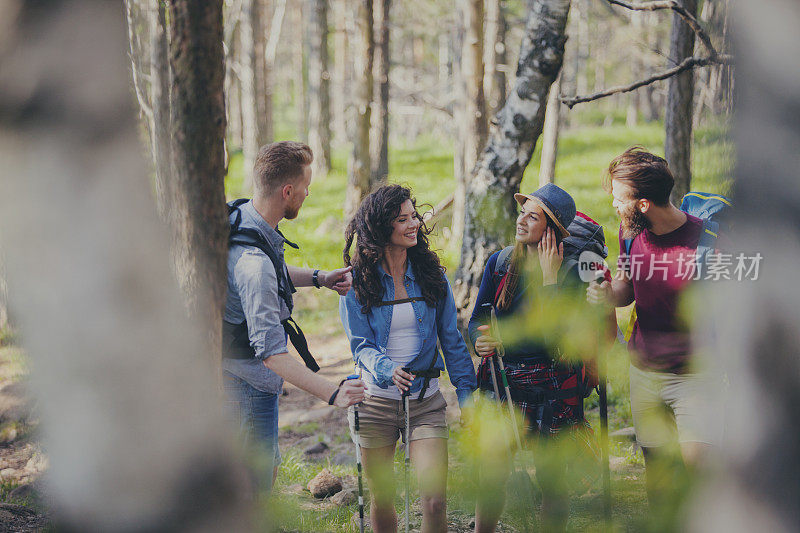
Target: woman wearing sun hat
{"points": [[515, 280]]}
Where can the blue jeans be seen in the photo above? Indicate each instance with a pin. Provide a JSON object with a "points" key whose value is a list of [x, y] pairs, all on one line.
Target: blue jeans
{"points": [[256, 414]]}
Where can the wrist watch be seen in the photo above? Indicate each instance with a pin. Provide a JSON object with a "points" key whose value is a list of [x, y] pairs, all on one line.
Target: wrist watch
{"points": [[315, 278]]}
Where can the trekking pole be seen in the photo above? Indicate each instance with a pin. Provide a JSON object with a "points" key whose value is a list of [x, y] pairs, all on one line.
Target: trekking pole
{"points": [[358, 462], [492, 358], [407, 460], [503, 376], [602, 369]]}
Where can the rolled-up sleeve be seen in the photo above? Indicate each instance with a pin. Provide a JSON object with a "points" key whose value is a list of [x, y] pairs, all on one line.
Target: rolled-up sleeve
{"points": [[366, 352], [257, 284], [456, 357]]}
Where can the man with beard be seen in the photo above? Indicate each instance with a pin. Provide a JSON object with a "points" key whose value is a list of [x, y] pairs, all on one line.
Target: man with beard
{"points": [[669, 398], [259, 302]]}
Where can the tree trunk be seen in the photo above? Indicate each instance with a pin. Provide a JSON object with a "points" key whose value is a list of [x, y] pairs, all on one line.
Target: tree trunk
{"points": [[263, 76], [382, 61], [755, 322], [582, 81], [678, 119], [494, 81], [299, 65], [475, 105], [124, 383], [3, 295], [319, 109], [251, 54], [233, 89], [198, 133], [358, 181], [491, 208], [459, 126], [552, 122], [341, 71], [159, 96]]}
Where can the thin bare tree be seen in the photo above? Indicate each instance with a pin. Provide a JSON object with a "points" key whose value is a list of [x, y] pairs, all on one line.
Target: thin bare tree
{"points": [[319, 109], [358, 180], [552, 124], [679, 113], [380, 159]]}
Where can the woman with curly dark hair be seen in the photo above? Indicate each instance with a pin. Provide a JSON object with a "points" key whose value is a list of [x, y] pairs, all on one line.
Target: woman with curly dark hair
{"points": [[400, 306]]}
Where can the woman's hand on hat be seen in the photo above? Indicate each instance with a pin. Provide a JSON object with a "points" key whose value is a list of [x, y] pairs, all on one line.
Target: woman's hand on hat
{"points": [[402, 379], [486, 345], [551, 255]]}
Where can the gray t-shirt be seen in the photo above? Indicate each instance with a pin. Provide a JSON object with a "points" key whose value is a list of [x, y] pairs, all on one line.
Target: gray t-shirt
{"points": [[253, 296]]}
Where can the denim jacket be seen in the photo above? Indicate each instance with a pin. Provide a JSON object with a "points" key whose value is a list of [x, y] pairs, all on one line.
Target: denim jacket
{"points": [[369, 335]]}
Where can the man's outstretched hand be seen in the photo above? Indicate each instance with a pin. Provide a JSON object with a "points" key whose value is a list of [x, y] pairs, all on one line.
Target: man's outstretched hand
{"points": [[351, 392], [339, 280]]}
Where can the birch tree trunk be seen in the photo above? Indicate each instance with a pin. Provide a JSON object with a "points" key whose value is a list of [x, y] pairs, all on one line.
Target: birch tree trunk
{"points": [[358, 180], [678, 118], [494, 81], [124, 383], [491, 208], [552, 123], [755, 323], [251, 54], [319, 109], [382, 62], [198, 133], [475, 125]]}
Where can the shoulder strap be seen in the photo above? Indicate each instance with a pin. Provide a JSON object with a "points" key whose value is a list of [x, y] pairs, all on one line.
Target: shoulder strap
{"points": [[503, 261], [706, 244], [401, 301]]}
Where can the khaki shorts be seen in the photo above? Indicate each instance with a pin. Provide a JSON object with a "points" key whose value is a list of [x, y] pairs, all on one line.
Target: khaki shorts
{"points": [[668, 407], [382, 420]]}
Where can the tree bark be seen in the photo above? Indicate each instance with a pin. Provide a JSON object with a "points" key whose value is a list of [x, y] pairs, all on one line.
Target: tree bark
{"points": [[115, 360], [755, 325], [263, 75], [358, 181], [198, 133], [552, 123], [494, 81], [319, 109], [342, 68], [251, 48], [159, 96], [380, 159], [459, 126], [475, 125], [491, 208], [678, 119], [299, 72]]}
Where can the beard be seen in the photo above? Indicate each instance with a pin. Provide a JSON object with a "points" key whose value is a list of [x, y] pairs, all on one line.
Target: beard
{"points": [[290, 213], [632, 222]]}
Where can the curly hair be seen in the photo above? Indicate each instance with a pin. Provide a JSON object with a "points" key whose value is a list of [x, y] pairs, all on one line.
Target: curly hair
{"points": [[373, 225]]}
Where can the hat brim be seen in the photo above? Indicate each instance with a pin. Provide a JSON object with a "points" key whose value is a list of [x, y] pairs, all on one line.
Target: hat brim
{"points": [[522, 198]]}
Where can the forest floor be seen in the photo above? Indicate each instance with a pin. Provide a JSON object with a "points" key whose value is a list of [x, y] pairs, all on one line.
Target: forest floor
{"points": [[304, 423], [22, 461]]}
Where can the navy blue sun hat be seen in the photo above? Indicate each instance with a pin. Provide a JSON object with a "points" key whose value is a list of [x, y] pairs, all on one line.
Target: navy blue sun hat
{"points": [[555, 202]]}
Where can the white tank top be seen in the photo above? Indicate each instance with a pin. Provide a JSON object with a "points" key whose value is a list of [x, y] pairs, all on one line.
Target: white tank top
{"points": [[402, 347]]}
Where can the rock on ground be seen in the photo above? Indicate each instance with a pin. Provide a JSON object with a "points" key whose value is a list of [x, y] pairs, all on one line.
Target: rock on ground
{"points": [[325, 484]]}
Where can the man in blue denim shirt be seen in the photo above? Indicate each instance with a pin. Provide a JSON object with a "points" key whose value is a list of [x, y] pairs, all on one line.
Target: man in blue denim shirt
{"points": [[252, 385]]}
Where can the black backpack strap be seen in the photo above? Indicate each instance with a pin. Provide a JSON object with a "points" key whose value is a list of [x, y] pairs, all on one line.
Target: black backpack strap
{"points": [[299, 342], [503, 261]]}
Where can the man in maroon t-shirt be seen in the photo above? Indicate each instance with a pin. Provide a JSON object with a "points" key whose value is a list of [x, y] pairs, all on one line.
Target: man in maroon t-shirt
{"points": [[658, 268]]}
